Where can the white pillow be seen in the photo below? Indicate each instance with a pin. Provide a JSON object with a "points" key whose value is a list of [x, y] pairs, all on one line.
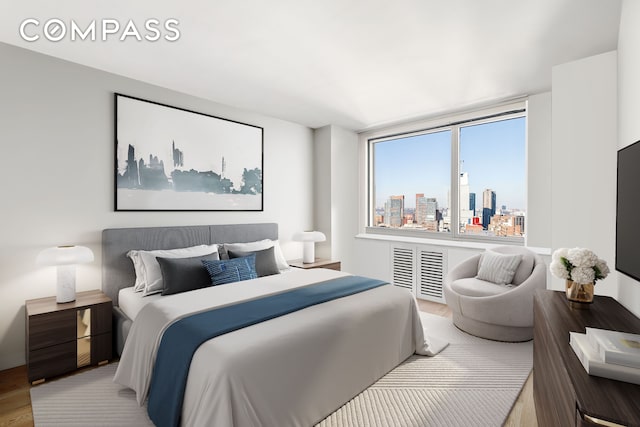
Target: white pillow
{"points": [[498, 268], [137, 266], [148, 273], [258, 246]]}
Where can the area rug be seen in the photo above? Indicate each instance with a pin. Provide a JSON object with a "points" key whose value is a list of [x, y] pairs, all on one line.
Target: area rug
{"points": [[473, 382]]}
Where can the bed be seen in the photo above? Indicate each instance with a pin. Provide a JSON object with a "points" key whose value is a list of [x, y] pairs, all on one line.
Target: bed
{"points": [[289, 370], [118, 272]]}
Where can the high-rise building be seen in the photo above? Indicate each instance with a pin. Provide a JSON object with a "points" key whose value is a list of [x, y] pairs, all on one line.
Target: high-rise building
{"points": [[472, 203], [486, 217], [488, 202], [394, 211], [433, 216], [519, 222], [421, 209], [489, 199], [465, 213], [432, 209]]}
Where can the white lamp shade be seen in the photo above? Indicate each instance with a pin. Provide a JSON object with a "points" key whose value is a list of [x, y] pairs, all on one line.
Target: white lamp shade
{"points": [[66, 258], [309, 238], [65, 255]]}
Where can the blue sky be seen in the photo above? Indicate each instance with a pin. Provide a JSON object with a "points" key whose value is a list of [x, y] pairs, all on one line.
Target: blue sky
{"points": [[493, 155]]}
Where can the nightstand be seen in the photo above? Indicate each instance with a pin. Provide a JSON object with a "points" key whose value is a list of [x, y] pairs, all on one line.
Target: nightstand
{"points": [[64, 337], [318, 263]]}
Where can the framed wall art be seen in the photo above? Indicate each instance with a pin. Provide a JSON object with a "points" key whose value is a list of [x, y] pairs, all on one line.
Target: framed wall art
{"points": [[172, 159]]}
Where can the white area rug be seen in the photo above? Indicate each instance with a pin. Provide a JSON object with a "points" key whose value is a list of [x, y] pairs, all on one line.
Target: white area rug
{"points": [[473, 382]]}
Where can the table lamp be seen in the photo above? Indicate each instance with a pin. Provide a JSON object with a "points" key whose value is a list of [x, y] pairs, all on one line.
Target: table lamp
{"points": [[65, 258], [309, 238]]}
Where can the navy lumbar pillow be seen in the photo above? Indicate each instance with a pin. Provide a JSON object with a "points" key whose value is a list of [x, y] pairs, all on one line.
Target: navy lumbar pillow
{"points": [[231, 270], [265, 260], [184, 274]]}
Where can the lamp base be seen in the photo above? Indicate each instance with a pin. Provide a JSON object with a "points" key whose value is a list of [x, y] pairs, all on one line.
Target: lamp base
{"points": [[66, 289], [308, 252]]}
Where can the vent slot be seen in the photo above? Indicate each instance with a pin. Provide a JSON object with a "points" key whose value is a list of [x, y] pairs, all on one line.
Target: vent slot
{"points": [[403, 271], [431, 272]]}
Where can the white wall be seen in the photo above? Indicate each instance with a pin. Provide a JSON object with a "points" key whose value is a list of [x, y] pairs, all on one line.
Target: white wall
{"points": [[322, 189], [628, 114], [538, 223], [336, 193], [583, 159], [57, 176]]}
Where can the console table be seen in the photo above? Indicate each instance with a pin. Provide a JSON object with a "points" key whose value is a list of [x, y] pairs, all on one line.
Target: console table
{"points": [[564, 394]]}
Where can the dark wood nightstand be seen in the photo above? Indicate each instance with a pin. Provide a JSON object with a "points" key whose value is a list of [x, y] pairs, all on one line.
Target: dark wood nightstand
{"points": [[319, 263], [64, 337]]}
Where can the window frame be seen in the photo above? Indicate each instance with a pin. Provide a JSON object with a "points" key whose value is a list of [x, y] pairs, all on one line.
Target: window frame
{"points": [[453, 123]]}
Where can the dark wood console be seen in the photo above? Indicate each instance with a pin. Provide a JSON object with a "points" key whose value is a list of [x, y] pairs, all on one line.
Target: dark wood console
{"points": [[564, 394]]}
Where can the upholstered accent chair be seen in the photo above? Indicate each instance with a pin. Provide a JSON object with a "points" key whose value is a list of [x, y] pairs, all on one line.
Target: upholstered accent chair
{"points": [[501, 312]]}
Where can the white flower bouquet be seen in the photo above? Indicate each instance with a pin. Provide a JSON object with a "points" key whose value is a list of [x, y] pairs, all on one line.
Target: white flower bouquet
{"points": [[579, 265]]}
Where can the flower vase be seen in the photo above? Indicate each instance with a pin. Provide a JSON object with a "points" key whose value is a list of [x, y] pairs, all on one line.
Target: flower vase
{"points": [[579, 295]]}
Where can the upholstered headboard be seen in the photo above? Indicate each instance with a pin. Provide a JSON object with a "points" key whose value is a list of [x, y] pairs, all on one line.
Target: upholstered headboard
{"points": [[117, 269]]}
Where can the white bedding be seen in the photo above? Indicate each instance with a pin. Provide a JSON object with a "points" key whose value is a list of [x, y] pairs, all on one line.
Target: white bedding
{"points": [[131, 302], [291, 370]]}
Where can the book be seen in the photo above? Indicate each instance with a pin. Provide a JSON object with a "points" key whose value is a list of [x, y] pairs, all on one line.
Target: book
{"points": [[594, 365], [620, 348]]}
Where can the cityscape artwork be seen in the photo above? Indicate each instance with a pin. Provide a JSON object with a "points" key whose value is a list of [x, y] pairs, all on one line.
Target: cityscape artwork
{"points": [[172, 159]]}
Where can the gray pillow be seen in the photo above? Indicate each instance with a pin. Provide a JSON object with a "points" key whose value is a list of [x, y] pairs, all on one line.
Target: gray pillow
{"points": [[185, 274], [498, 268], [526, 265], [265, 260]]}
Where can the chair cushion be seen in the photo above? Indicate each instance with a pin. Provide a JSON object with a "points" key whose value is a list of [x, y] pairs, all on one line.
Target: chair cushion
{"points": [[473, 287], [498, 268], [524, 269], [527, 263]]}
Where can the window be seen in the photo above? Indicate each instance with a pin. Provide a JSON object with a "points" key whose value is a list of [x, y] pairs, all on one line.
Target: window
{"points": [[492, 178], [463, 180], [412, 181]]}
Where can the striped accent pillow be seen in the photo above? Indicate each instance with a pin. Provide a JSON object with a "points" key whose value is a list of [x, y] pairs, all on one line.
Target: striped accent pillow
{"points": [[498, 268], [231, 270]]}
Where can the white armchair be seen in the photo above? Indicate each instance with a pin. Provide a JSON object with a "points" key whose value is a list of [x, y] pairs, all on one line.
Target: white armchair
{"points": [[496, 312]]}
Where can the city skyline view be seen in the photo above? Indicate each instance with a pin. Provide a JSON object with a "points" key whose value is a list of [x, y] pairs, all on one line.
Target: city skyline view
{"points": [[491, 154]]}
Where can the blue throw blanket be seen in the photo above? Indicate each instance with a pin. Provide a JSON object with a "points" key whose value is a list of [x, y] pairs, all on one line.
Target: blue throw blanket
{"points": [[181, 340]]}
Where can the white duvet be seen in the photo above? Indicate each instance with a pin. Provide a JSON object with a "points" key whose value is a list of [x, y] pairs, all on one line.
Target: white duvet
{"points": [[293, 370]]}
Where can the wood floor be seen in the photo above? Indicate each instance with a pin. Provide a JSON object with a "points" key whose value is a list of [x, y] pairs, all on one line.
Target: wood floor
{"points": [[15, 401]]}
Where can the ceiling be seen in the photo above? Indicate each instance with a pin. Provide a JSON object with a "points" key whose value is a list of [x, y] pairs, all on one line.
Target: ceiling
{"points": [[358, 64]]}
